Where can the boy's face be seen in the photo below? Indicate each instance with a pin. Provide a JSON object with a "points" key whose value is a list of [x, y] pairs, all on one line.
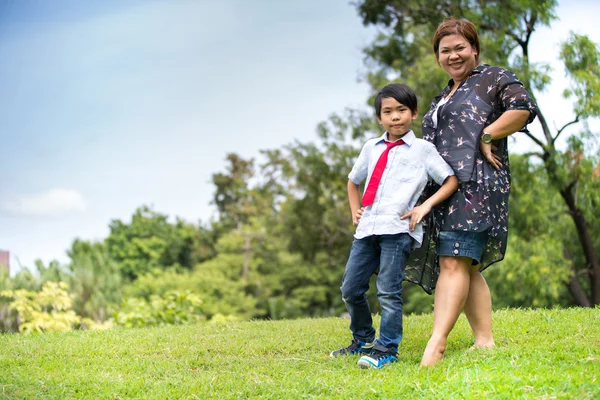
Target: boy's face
{"points": [[395, 118]]}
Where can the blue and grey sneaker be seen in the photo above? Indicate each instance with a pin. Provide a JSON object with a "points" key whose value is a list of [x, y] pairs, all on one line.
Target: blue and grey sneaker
{"points": [[356, 347], [379, 357]]}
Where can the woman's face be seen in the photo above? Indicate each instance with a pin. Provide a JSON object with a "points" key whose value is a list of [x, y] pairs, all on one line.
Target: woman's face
{"points": [[457, 57]]}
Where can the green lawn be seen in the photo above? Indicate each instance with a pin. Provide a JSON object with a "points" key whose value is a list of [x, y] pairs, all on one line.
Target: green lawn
{"points": [[540, 354]]}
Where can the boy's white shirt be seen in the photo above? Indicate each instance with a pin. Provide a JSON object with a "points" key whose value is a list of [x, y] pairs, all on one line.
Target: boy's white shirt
{"points": [[408, 169]]}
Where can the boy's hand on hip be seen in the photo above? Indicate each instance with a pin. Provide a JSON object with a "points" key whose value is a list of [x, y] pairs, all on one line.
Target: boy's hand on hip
{"points": [[357, 216], [416, 215]]}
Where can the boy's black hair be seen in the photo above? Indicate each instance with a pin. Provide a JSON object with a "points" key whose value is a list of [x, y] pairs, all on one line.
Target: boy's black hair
{"points": [[400, 92]]}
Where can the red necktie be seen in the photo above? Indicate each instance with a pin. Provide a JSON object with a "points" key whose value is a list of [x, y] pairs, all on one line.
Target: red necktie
{"points": [[369, 195]]}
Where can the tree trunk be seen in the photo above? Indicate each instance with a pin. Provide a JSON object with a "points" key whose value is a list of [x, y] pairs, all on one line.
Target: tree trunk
{"points": [[585, 239], [247, 250], [574, 286], [587, 244], [577, 291]]}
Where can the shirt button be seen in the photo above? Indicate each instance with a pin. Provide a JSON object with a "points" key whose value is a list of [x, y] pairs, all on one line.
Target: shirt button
{"points": [[457, 245], [455, 252]]}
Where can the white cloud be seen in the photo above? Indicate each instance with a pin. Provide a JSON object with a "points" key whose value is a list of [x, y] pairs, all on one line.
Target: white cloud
{"points": [[50, 203]]}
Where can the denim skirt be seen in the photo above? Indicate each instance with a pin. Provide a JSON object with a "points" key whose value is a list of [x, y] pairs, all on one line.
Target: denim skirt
{"points": [[463, 244]]}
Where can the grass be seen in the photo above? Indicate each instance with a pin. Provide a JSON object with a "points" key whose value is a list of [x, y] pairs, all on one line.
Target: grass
{"points": [[540, 354]]}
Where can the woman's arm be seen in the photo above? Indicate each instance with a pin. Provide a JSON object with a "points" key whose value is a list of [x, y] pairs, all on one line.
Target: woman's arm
{"points": [[508, 123]]}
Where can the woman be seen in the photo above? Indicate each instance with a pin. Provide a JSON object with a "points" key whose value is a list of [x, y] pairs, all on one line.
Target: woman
{"points": [[468, 123]]}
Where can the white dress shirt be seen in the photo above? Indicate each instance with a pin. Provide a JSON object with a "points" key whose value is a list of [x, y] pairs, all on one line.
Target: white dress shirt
{"points": [[408, 169]]}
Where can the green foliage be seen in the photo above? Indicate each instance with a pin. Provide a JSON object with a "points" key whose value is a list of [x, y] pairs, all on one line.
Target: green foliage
{"points": [[534, 273], [54, 272], [32, 281], [92, 276], [220, 294], [232, 196], [49, 310], [582, 61], [95, 281], [26, 280], [540, 354], [286, 252], [220, 283], [173, 308], [150, 241], [5, 281], [536, 207], [157, 282]]}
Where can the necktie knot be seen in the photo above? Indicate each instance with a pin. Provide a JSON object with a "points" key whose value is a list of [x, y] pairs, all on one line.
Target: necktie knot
{"points": [[373, 184], [394, 144]]}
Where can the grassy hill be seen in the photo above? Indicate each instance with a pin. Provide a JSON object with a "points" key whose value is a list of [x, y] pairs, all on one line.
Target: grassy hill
{"points": [[540, 354]]}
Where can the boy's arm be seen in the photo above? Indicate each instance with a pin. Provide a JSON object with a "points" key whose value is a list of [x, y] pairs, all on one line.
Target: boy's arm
{"points": [[418, 213], [354, 200], [358, 174]]}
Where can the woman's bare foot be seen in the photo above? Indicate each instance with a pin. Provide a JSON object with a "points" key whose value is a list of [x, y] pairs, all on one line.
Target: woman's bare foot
{"points": [[484, 344], [434, 352]]}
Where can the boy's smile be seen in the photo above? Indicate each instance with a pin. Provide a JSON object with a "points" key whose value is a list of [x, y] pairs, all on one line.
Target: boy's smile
{"points": [[395, 118]]}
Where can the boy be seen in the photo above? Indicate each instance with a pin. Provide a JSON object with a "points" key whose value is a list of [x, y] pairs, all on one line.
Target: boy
{"points": [[397, 166]]}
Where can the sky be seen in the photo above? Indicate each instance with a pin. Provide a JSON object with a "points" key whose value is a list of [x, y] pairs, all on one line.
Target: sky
{"points": [[108, 105]]}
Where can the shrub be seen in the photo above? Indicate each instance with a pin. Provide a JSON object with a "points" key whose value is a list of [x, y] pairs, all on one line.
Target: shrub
{"points": [[173, 308]]}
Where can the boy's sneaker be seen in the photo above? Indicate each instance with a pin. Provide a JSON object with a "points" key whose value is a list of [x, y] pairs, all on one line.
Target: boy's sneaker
{"points": [[355, 347], [379, 357]]}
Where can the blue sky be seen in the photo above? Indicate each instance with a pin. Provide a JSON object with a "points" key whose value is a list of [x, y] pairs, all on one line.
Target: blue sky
{"points": [[109, 105]]}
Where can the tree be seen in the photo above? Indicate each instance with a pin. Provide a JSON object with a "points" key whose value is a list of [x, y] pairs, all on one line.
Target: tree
{"points": [[151, 242], [292, 229], [313, 218], [95, 281], [232, 195], [535, 271], [403, 51]]}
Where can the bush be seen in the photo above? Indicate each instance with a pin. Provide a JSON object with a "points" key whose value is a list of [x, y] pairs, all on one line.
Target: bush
{"points": [[173, 308], [49, 310]]}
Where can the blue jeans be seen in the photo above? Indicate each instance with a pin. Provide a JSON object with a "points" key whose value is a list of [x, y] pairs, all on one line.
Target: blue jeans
{"points": [[389, 254]]}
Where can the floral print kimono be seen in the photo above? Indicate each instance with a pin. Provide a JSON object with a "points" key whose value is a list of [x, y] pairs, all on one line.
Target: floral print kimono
{"points": [[481, 202]]}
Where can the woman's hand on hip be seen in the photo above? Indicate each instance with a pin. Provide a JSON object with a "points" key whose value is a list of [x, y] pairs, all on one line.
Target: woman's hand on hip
{"points": [[487, 149]]}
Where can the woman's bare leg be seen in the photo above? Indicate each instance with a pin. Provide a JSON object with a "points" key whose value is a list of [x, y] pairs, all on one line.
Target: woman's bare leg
{"points": [[451, 294], [478, 309]]}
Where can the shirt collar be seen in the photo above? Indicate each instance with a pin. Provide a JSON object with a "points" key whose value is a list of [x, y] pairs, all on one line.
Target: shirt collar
{"points": [[409, 138]]}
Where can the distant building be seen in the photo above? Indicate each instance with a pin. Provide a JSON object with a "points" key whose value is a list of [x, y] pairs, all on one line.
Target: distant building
{"points": [[4, 260]]}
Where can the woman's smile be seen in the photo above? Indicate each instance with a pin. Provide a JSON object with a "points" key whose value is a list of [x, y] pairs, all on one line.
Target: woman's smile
{"points": [[457, 56]]}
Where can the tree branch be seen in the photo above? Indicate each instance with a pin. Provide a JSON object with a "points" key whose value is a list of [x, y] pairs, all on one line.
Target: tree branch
{"points": [[576, 120], [536, 140], [486, 27], [516, 37], [545, 127], [530, 26], [534, 153]]}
